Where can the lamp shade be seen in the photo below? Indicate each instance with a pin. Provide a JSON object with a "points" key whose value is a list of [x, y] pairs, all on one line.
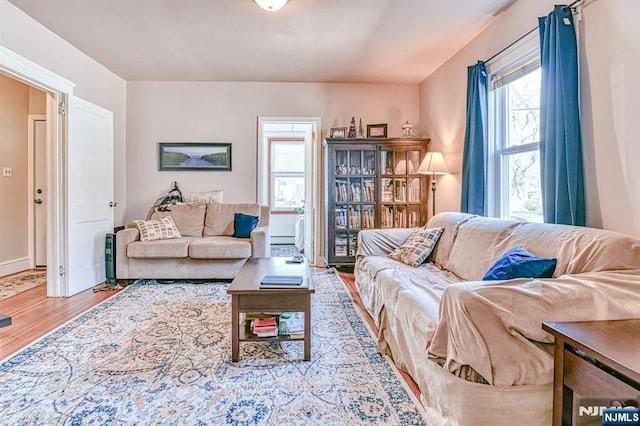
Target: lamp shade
{"points": [[433, 164], [271, 5]]}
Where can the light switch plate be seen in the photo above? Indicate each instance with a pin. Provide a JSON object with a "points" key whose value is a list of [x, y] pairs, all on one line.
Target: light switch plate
{"points": [[6, 171]]}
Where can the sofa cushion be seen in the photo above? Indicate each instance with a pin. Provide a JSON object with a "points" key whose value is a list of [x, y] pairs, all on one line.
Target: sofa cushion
{"points": [[214, 196], [243, 224], [175, 248], [417, 247], [189, 218], [519, 263], [219, 217], [220, 247], [162, 229]]}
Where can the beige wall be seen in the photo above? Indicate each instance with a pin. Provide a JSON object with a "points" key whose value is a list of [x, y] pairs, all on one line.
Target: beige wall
{"points": [[610, 60], [610, 56], [228, 112], [94, 82], [14, 108]]}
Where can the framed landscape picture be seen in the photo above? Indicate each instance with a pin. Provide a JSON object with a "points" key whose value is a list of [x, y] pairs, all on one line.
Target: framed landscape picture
{"points": [[194, 156]]}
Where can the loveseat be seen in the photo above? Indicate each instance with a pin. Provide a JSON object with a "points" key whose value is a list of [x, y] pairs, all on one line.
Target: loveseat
{"points": [[206, 248], [476, 348]]}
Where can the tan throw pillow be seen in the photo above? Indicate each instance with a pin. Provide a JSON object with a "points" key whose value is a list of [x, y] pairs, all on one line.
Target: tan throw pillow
{"points": [[417, 247], [163, 229], [189, 218], [206, 197], [219, 219]]}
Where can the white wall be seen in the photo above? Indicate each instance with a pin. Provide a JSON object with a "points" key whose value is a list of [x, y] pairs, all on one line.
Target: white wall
{"points": [[610, 58], [95, 83], [228, 112]]}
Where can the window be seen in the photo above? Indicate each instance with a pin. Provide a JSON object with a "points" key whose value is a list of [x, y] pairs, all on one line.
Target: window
{"points": [[286, 174], [514, 140]]}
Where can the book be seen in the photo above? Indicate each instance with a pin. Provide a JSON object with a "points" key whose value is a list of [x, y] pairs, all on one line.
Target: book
{"points": [[291, 324], [295, 259], [264, 327], [282, 281], [264, 322], [271, 332]]}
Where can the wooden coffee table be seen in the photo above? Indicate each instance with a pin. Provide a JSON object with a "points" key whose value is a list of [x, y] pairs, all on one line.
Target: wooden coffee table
{"points": [[248, 297]]}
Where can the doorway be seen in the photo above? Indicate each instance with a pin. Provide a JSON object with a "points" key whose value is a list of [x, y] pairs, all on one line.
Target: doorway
{"points": [[287, 224]]}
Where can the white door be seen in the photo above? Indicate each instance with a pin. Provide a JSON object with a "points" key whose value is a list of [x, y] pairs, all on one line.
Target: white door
{"points": [[89, 192], [40, 192], [309, 200]]}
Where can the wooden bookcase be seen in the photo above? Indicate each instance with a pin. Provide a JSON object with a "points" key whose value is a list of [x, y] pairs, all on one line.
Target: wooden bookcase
{"points": [[371, 183]]}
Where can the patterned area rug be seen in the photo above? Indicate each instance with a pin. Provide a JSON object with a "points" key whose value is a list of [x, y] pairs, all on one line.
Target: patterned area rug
{"points": [[160, 354], [23, 281], [282, 250]]}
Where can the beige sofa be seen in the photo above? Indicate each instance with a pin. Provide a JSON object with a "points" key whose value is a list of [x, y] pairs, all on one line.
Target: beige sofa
{"points": [[206, 249], [476, 348]]}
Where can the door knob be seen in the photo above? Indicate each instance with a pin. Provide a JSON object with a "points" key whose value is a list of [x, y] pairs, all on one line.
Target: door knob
{"points": [[37, 201], [112, 204]]}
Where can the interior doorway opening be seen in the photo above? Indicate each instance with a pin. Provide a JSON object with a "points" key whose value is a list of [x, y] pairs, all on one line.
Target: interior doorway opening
{"points": [[287, 179]]}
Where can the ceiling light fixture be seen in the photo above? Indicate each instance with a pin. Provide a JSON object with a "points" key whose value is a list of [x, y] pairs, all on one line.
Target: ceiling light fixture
{"points": [[271, 5]]}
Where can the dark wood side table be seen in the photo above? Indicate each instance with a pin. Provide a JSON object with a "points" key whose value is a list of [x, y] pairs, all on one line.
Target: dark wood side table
{"points": [[593, 358], [247, 297]]}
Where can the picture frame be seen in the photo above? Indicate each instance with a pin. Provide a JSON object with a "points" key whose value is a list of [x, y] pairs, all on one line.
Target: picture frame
{"points": [[377, 130], [194, 156], [338, 132]]}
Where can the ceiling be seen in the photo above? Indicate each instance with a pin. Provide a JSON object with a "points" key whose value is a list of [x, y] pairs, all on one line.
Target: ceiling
{"points": [[346, 41]]}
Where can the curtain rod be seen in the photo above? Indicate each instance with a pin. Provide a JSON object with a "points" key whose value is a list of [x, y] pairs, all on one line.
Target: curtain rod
{"points": [[524, 35]]}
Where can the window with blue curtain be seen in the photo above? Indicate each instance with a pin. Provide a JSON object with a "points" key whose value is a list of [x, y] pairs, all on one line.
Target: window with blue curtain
{"points": [[513, 145]]}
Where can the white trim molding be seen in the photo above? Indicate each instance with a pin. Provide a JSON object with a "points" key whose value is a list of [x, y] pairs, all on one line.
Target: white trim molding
{"points": [[14, 266]]}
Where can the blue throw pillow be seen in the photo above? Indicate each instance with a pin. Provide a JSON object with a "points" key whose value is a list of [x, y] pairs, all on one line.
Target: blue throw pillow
{"points": [[243, 224], [519, 263]]}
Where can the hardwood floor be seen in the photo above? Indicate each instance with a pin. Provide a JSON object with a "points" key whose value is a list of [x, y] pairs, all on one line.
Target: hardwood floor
{"points": [[34, 315]]}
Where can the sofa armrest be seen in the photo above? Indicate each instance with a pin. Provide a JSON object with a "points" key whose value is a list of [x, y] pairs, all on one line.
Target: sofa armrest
{"points": [[123, 238], [381, 242], [260, 246]]}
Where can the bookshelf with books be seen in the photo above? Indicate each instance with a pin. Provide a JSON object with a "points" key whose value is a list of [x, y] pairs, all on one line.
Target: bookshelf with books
{"points": [[370, 183]]}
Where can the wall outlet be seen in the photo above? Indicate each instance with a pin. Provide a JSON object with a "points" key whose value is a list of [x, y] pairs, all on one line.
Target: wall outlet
{"points": [[6, 172]]}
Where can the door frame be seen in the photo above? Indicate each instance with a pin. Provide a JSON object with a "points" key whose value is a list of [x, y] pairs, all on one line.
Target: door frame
{"points": [[311, 152], [57, 90], [31, 153]]}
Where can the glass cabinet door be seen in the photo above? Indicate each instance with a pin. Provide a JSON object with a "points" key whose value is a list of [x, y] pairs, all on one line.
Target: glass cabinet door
{"points": [[401, 192]]}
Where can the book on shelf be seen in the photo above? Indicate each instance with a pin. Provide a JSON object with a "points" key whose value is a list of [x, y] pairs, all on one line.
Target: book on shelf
{"points": [[282, 281], [265, 326], [291, 324], [264, 322], [271, 332]]}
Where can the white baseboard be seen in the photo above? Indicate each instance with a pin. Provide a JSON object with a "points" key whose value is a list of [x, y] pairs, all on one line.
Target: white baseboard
{"points": [[282, 240], [13, 266]]}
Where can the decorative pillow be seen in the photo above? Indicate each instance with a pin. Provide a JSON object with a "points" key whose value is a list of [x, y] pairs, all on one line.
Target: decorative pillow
{"points": [[519, 263], [219, 218], [189, 218], [214, 196], [243, 224], [163, 229], [417, 247]]}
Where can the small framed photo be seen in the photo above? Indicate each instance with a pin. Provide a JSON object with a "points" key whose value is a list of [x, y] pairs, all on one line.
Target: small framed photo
{"points": [[377, 130], [189, 156], [338, 132]]}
